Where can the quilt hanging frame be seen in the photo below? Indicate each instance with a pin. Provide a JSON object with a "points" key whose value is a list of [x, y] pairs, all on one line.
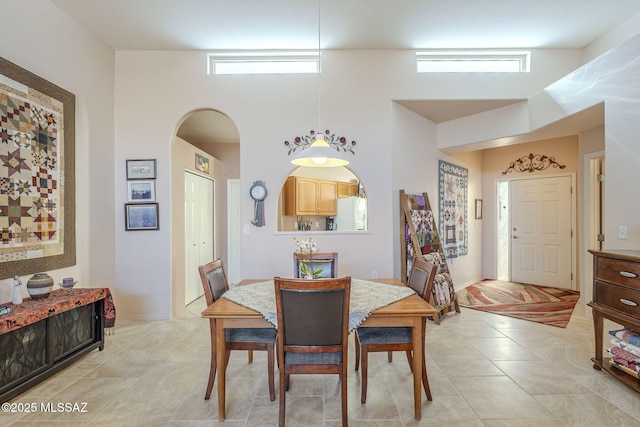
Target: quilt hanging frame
{"points": [[420, 238]]}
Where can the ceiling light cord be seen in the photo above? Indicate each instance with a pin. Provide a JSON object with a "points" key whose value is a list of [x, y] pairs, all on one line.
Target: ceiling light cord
{"points": [[319, 68]]}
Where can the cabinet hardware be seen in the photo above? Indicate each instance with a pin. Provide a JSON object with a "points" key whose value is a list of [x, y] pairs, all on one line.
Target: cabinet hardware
{"points": [[628, 302], [627, 274]]}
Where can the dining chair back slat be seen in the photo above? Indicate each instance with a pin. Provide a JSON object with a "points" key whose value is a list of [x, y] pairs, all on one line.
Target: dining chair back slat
{"points": [[313, 327]]}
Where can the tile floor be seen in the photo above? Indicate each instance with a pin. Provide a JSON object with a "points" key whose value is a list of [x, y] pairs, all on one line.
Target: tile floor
{"points": [[484, 370]]}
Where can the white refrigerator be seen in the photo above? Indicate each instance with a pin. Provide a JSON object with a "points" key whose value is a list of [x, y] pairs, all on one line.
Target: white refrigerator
{"points": [[352, 214]]}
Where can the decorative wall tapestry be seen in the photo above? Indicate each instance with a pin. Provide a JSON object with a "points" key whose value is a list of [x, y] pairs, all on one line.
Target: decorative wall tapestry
{"points": [[453, 186], [37, 173]]}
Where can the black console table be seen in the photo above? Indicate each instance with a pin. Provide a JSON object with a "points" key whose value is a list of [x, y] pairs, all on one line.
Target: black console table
{"points": [[41, 337]]}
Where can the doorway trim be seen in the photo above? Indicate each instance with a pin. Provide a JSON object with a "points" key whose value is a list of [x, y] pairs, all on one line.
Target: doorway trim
{"points": [[234, 231], [506, 239], [590, 203]]}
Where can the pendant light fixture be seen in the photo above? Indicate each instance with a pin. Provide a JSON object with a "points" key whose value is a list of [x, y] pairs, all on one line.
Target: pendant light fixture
{"points": [[319, 154]]}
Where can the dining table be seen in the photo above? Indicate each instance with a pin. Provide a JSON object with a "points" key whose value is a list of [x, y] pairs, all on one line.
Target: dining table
{"points": [[408, 310]]}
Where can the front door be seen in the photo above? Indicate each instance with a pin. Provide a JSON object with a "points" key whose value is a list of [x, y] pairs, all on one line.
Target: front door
{"points": [[541, 231]]}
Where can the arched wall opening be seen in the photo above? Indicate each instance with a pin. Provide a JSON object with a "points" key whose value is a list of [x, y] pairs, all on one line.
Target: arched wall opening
{"points": [[206, 144]]}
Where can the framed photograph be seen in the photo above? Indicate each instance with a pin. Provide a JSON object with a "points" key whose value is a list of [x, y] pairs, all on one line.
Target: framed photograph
{"points": [[141, 191], [478, 208], [202, 163], [141, 169], [37, 173], [141, 216]]}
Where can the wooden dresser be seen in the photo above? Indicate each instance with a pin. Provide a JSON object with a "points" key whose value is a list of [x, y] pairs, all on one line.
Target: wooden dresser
{"points": [[616, 296]]}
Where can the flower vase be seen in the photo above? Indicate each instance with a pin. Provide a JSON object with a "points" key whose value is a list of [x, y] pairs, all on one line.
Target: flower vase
{"points": [[39, 286]]}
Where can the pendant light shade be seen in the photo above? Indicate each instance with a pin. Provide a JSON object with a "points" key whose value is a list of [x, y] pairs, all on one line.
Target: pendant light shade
{"points": [[319, 155]]}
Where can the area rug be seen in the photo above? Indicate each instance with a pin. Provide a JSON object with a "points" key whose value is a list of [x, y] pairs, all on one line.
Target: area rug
{"points": [[549, 306]]}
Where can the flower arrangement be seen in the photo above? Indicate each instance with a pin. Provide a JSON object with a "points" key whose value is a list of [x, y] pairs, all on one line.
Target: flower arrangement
{"points": [[336, 142], [306, 245], [306, 268]]}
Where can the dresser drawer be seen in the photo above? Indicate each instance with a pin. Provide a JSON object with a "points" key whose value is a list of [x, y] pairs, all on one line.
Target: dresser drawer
{"points": [[618, 298], [617, 271]]}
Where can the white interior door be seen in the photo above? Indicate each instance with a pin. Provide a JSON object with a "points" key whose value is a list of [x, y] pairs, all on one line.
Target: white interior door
{"points": [[541, 231], [198, 231], [234, 230]]}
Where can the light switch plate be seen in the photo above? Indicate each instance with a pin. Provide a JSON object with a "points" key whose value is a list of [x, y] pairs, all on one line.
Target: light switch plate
{"points": [[622, 232]]}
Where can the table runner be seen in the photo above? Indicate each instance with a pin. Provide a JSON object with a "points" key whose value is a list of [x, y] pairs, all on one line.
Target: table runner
{"points": [[366, 297]]}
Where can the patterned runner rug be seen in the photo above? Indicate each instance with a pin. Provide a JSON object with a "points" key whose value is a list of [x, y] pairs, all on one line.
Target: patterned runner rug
{"points": [[550, 306]]}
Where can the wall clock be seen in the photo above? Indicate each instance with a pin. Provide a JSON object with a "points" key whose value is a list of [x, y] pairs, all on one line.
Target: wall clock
{"points": [[258, 193]]}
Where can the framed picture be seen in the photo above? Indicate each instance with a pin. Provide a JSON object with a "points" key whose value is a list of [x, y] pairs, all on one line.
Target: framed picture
{"points": [[478, 208], [141, 216], [141, 169], [141, 191], [37, 176], [202, 163]]}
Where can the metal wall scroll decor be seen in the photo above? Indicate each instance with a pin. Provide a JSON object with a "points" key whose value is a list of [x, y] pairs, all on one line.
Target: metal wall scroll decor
{"points": [[338, 143], [532, 163]]}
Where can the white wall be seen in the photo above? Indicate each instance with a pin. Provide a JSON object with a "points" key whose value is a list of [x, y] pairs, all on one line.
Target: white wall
{"points": [[353, 96], [37, 36], [415, 170], [267, 110], [150, 92], [610, 78]]}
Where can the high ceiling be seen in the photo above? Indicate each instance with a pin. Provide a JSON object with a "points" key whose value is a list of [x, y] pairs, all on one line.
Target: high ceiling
{"points": [[347, 24], [350, 24]]}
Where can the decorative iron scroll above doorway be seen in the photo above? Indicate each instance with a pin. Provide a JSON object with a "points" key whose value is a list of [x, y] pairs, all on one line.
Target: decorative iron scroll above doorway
{"points": [[532, 163], [336, 142]]}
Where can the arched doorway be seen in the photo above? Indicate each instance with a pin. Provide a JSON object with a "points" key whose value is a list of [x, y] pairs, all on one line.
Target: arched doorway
{"points": [[206, 144]]}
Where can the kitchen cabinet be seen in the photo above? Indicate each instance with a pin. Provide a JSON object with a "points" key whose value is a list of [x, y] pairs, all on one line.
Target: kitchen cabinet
{"points": [[309, 196], [347, 189]]}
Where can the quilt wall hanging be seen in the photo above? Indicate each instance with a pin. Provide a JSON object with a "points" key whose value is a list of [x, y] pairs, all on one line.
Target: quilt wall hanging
{"points": [[37, 173], [453, 188]]}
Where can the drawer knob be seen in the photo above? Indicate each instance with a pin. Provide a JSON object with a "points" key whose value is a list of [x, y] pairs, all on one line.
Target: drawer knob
{"points": [[628, 302], [627, 274]]}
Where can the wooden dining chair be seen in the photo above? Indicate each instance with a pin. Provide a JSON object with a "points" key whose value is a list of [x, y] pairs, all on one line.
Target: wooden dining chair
{"points": [[324, 262], [390, 339], [214, 282], [313, 326]]}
